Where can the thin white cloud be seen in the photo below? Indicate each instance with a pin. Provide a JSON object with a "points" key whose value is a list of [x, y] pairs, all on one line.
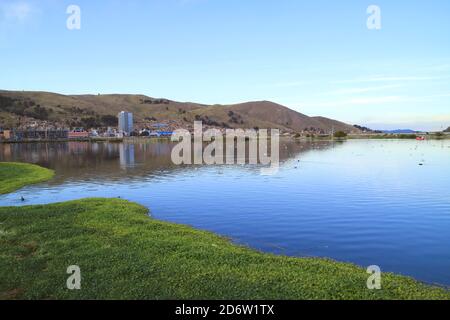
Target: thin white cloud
{"points": [[363, 101], [358, 101], [289, 84], [388, 79], [363, 90], [438, 67], [375, 100], [443, 95], [435, 122], [15, 12]]}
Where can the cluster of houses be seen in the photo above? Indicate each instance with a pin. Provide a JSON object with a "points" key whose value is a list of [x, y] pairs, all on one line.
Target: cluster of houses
{"points": [[125, 128], [43, 134], [47, 134]]}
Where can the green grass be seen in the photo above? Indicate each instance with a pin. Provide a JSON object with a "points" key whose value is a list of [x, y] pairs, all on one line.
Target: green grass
{"points": [[14, 176], [125, 254]]}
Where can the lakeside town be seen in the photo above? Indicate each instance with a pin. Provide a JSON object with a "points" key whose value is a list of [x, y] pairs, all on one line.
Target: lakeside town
{"points": [[49, 132], [126, 127]]}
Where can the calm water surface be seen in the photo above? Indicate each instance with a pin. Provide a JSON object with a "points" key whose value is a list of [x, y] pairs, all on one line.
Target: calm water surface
{"points": [[366, 202]]}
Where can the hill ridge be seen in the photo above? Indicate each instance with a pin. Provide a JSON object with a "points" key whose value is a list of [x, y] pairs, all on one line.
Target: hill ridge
{"points": [[20, 108]]}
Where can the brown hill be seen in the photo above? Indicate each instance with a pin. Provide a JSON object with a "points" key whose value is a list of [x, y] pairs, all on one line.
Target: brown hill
{"points": [[100, 110]]}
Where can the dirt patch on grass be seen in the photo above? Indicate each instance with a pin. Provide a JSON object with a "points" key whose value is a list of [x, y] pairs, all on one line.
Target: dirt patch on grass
{"points": [[11, 294]]}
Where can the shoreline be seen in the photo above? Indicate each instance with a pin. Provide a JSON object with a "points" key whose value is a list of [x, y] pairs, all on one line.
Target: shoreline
{"points": [[432, 137], [309, 277]]}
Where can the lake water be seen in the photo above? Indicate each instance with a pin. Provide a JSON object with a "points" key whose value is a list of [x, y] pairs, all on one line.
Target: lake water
{"points": [[363, 201]]}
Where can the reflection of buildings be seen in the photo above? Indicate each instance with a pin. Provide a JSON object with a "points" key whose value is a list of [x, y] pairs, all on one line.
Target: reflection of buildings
{"points": [[81, 161], [125, 123], [78, 147], [126, 152]]}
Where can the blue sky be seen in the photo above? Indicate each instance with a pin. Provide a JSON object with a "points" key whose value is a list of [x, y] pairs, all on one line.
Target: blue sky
{"points": [[317, 57]]}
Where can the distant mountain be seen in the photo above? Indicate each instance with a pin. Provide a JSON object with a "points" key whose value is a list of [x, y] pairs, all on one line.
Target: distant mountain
{"points": [[447, 130], [101, 110], [399, 131], [366, 129]]}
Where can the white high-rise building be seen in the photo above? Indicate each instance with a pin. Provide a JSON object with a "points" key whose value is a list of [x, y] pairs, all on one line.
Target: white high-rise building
{"points": [[125, 123]]}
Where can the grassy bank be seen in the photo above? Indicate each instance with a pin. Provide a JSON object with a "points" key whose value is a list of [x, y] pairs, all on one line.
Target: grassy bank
{"points": [[125, 254], [14, 176]]}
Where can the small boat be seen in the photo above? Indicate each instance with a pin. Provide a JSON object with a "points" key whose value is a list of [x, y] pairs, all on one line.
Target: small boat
{"points": [[420, 138]]}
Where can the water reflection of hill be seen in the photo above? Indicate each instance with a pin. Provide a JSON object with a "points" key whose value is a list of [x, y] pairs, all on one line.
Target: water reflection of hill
{"points": [[79, 161]]}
